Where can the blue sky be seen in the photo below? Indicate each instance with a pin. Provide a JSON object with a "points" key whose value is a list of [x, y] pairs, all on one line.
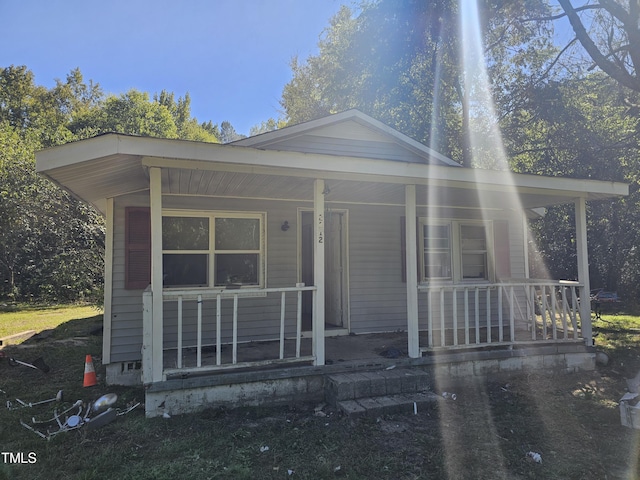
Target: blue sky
{"points": [[232, 56]]}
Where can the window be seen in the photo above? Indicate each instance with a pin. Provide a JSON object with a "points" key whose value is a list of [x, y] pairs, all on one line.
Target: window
{"points": [[454, 250], [237, 251], [436, 251], [217, 249]]}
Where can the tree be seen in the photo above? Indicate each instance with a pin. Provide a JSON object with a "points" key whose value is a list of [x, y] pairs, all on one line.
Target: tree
{"points": [[188, 127], [400, 62], [267, 126], [613, 38], [51, 245], [131, 113], [228, 133], [580, 128]]}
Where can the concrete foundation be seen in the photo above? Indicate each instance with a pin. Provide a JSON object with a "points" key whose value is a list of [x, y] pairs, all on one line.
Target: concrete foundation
{"points": [[307, 384]]}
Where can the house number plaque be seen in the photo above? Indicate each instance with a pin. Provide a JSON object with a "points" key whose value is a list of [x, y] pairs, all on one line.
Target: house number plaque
{"points": [[320, 228]]}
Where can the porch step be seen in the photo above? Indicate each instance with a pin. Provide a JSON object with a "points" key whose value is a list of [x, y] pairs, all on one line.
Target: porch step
{"points": [[386, 391], [387, 404]]}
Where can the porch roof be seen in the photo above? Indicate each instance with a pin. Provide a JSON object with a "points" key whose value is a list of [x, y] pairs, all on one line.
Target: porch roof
{"points": [[112, 165]]}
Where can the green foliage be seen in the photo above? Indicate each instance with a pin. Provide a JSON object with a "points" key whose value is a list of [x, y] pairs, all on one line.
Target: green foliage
{"points": [[580, 128], [394, 61], [401, 63], [228, 133], [267, 126], [52, 245]]}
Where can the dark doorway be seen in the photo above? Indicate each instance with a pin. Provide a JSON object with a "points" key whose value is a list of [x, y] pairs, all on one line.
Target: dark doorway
{"points": [[335, 268]]}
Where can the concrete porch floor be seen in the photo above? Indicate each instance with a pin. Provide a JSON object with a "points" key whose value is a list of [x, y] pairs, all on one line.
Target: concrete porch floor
{"points": [[354, 348], [338, 349]]}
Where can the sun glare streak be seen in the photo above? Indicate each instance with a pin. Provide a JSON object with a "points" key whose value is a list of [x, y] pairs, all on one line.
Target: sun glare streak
{"points": [[488, 152], [487, 146]]}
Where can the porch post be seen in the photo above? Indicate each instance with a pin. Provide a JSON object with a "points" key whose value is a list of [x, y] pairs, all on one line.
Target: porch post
{"points": [[155, 194], [318, 271], [108, 284], [583, 269], [412, 271]]}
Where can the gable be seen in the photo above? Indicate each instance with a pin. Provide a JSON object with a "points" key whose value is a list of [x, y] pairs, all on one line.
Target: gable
{"points": [[349, 133], [328, 145]]}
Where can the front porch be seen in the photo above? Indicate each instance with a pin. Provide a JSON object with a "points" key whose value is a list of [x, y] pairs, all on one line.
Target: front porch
{"points": [[202, 328]]}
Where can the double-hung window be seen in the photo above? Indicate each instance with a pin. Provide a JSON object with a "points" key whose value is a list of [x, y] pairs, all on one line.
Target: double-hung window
{"points": [[454, 250], [213, 249]]}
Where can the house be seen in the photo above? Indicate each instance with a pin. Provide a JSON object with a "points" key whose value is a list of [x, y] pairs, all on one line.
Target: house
{"points": [[242, 265]]}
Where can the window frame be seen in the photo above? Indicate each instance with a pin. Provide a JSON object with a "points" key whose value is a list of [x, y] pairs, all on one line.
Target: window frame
{"points": [[211, 252], [456, 251]]}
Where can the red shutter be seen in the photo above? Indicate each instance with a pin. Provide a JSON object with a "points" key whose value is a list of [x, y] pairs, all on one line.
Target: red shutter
{"points": [[501, 248], [137, 248]]}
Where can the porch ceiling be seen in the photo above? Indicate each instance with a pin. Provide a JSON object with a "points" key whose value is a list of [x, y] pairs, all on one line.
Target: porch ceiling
{"points": [[177, 181], [98, 179], [114, 165]]}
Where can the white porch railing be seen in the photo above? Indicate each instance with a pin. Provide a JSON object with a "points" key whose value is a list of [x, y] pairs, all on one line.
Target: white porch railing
{"points": [[470, 315], [192, 302]]}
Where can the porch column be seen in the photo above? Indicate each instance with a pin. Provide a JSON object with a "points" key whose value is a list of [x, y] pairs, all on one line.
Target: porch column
{"points": [[583, 269], [108, 283], [155, 194], [318, 271], [412, 271]]}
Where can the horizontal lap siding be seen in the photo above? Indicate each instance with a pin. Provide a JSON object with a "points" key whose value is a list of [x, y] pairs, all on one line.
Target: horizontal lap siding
{"points": [[258, 317], [336, 146], [377, 293], [126, 305]]}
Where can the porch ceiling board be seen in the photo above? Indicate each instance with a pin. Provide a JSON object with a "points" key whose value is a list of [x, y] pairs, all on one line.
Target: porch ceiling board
{"points": [[234, 184], [184, 181]]}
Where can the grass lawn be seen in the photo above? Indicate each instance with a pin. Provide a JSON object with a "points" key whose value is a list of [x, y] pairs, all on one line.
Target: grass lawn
{"points": [[42, 318], [571, 420]]}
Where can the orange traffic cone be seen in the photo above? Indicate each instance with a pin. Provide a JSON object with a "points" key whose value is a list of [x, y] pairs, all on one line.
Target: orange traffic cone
{"points": [[89, 373]]}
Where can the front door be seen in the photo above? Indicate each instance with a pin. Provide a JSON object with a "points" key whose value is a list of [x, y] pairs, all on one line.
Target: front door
{"points": [[336, 291]]}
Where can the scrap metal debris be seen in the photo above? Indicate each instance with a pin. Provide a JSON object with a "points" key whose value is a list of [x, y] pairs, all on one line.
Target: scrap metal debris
{"points": [[96, 415], [38, 364], [22, 404]]}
